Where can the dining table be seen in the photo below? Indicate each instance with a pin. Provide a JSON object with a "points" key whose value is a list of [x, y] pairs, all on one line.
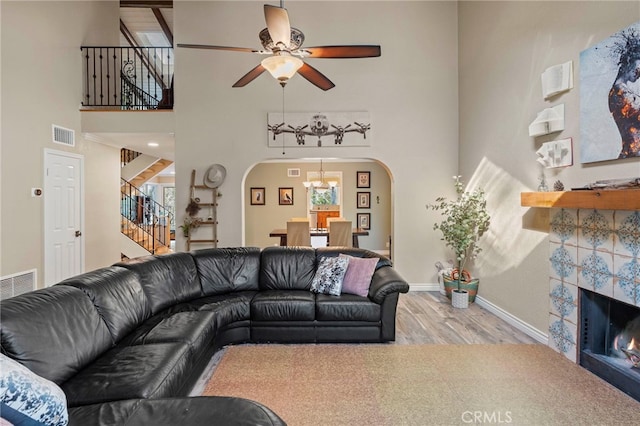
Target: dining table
{"points": [[318, 232]]}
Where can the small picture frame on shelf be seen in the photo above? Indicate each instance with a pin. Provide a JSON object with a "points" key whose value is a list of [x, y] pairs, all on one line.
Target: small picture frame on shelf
{"points": [[364, 200], [364, 220], [363, 179], [257, 196], [285, 196]]}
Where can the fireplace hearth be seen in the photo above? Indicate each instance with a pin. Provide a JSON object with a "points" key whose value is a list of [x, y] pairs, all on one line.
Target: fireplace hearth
{"points": [[610, 341]]}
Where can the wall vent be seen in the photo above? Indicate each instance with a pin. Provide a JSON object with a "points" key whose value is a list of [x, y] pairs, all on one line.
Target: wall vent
{"points": [[293, 172], [63, 136], [16, 284]]}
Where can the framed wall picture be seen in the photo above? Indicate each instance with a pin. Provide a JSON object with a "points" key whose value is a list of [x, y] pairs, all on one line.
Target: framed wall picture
{"points": [[285, 196], [257, 196], [364, 220], [363, 179], [364, 200]]}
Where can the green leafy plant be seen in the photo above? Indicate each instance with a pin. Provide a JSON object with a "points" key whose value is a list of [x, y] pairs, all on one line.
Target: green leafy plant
{"points": [[465, 220], [190, 223]]}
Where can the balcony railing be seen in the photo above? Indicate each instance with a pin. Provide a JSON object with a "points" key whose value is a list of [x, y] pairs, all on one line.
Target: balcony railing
{"points": [[127, 78]]}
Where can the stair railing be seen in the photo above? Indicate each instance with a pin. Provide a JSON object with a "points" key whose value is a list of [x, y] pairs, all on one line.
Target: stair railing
{"points": [[127, 156], [145, 221], [127, 78]]}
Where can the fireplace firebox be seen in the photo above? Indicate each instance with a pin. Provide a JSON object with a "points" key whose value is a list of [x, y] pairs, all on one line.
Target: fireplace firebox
{"points": [[610, 341]]}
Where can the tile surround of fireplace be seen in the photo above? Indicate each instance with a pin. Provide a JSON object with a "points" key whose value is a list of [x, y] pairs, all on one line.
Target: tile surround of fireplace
{"points": [[595, 250]]}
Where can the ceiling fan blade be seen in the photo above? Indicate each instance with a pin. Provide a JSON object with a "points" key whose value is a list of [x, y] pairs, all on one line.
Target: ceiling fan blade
{"points": [[250, 76], [211, 47], [277, 20], [352, 51], [315, 77]]}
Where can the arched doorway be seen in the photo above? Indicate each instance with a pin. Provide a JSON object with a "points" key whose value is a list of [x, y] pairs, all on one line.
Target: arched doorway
{"points": [[363, 202]]}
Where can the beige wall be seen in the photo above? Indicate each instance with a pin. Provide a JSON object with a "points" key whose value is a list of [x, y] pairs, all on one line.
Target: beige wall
{"points": [[410, 93], [41, 86], [260, 220], [454, 92], [504, 47]]}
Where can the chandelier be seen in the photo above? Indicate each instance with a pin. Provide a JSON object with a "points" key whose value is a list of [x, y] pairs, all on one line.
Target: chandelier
{"points": [[320, 186]]}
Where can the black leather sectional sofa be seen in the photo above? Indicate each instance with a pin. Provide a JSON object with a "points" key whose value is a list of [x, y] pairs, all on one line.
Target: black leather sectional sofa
{"points": [[126, 343]]}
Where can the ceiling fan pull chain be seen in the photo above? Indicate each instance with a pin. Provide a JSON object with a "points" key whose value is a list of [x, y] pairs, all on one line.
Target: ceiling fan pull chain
{"points": [[283, 120]]}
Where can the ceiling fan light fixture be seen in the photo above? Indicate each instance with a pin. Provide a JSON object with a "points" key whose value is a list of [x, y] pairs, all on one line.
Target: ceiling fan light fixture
{"points": [[282, 67]]}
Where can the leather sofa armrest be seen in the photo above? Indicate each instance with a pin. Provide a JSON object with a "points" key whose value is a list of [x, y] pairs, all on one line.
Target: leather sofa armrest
{"points": [[384, 282]]}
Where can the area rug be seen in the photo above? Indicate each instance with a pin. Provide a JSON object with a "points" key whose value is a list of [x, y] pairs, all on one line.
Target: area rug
{"points": [[419, 385]]}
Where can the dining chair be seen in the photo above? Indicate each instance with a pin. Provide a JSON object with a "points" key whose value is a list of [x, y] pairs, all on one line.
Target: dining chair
{"points": [[299, 219], [340, 233], [298, 234]]}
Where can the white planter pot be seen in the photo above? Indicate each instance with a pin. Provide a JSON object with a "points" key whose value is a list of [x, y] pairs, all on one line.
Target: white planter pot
{"points": [[460, 299]]}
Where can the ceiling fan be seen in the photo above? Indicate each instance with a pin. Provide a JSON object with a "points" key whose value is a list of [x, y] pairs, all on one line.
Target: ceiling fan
{"points": [[283, 45]]}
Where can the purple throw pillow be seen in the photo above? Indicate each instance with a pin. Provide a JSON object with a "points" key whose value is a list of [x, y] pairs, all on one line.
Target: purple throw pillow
{"points": [[358, 277]]}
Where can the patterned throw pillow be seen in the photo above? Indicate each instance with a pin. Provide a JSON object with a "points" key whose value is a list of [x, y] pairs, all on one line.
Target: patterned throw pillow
{"points": [[358, 277], [329, 275], [29, 399]]}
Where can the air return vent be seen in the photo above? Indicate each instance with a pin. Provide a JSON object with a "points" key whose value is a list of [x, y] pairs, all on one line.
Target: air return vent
{"points": [[13, 285], [63, 136]]}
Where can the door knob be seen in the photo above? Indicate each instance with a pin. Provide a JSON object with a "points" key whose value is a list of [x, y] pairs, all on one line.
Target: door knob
{"points": [[78, 233]]}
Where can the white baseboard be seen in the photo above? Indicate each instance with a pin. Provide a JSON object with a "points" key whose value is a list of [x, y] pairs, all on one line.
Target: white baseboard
{"points": [[512, 320], [424, 287]]}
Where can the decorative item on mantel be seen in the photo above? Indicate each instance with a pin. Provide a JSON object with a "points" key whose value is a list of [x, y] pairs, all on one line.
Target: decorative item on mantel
{"points": [[558, 186], [542, 185], [465, 220], [625, 183]]}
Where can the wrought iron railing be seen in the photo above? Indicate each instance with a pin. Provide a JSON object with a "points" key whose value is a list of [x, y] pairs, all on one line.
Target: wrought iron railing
{"points": [[127, 156], [127, 78], [145, 221]]}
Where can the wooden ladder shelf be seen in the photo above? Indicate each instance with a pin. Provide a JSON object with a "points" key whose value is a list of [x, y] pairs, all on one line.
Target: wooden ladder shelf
{"points": [[211, 219]]}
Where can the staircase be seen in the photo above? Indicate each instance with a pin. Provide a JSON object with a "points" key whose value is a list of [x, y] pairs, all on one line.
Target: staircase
{"points": [[150, 172], [143, 220]]}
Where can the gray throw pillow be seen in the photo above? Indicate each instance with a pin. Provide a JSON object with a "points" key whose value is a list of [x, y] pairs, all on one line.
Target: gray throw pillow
{"points": [[329, 275]]}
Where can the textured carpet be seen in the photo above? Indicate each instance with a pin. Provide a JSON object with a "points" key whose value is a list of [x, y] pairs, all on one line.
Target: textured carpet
{"points": [[420, 385]]}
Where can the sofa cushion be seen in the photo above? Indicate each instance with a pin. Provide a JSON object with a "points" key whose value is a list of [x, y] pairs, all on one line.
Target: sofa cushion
{"points": [[355, 252], [283, 305], [55, 332], [228, 308], [223, 270], [140, 371], [166, 279], [200, 410], [117, 295], [329, 275], [196, 329], [287, 268], [347, 307], [27, 398], [358, 276]]}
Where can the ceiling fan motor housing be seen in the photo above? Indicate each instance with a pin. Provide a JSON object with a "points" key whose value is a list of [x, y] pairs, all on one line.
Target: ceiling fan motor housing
{"points": [[297, 38]]}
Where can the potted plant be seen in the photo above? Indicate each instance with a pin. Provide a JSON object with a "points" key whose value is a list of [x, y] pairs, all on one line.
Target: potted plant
{"points": [[190, 223], [465, 220]]}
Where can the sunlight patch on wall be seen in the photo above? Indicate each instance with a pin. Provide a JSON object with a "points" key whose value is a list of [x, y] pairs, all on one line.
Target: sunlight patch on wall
{"points": [[510, 238]]}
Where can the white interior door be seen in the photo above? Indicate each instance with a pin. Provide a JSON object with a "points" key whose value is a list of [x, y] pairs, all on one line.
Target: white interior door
{"points": [[63, 219]]}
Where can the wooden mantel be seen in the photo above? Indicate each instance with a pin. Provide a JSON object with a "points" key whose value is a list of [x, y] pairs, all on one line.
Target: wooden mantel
{"points": [[613, 199]]}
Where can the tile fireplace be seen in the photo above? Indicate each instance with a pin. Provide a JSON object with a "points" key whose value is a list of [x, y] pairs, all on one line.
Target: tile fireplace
{"points": [[594, 268]]}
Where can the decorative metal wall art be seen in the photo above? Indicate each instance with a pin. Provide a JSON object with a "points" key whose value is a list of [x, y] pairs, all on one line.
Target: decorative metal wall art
{"points": [[342, 128]]}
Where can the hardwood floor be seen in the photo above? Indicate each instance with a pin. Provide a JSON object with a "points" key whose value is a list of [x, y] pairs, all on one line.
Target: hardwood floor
{"points": [[428, 318]]}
